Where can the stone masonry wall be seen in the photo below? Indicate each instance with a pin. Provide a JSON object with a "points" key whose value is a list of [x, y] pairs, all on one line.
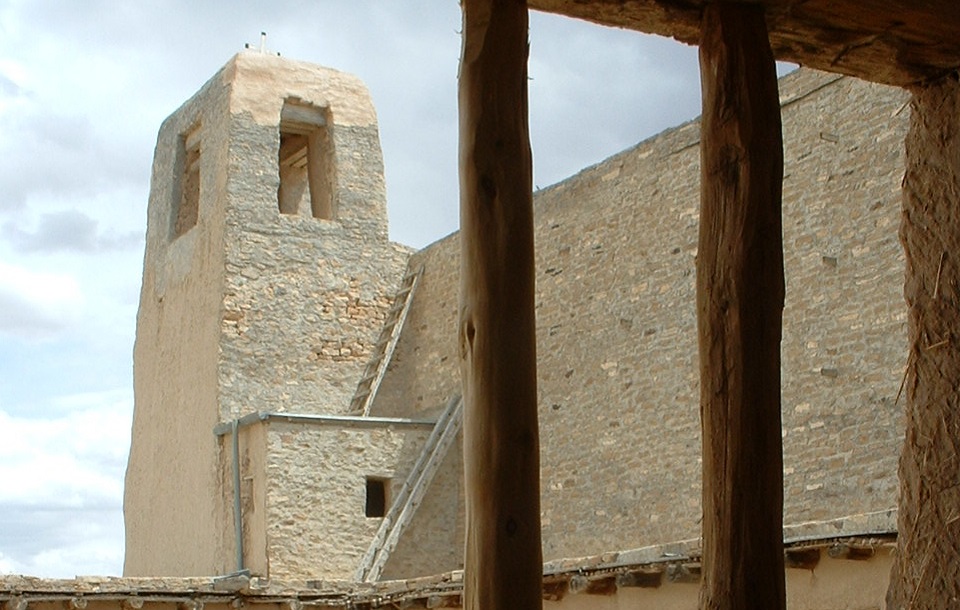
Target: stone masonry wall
{"points": [[316, 477], [305, 298], [616, 247], [433, 542]]}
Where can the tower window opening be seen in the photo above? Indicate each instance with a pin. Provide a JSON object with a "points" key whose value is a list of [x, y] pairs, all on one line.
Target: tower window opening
{"points": [[187, 197], [306, 162], [376, 497]]}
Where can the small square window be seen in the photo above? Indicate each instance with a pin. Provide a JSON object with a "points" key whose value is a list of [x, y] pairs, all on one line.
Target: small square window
{"points": [[376, 497]]}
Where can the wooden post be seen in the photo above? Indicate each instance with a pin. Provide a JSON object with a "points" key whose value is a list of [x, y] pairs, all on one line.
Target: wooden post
{"points": [[739, 306], [497, 334], [926, 570]]}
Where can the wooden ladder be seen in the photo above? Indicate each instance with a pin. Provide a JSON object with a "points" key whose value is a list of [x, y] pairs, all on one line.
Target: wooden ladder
{"points": [[405, 504], [383, 350]]}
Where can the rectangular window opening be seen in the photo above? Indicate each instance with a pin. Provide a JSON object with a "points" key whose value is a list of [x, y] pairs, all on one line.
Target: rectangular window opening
{"points": [[377, 489], [306, 162], [187, 197]]}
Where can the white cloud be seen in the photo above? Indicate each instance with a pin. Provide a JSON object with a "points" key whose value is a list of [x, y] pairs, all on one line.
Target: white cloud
{"points": [[68, 231], [63, 476], [36, 304], [95, 556]]}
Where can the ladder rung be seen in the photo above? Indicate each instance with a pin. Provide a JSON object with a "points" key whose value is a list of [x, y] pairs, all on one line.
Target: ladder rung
{"points": [[386, 343], [412, 493]]}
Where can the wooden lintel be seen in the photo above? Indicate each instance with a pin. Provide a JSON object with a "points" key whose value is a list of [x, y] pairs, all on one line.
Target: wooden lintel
{"points": [[805, 558], [602, 585], [497, 335], [77, 603], [293, 150], [132, 603], [647, 578], [740, 291]]}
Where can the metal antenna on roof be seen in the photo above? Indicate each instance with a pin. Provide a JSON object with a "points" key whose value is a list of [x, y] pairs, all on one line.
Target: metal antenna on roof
{"points": [[263, 46]]}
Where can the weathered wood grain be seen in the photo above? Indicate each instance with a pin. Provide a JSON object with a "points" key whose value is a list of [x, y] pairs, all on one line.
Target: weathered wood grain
{"points": [[740, 292], [503, 561]]}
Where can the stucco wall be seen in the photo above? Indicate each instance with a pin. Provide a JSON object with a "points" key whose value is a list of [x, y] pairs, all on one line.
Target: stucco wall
{"points": [[616, 247], [173, 502], [832, 584]]}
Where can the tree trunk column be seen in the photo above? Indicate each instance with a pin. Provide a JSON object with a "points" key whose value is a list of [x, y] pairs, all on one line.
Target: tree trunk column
{"points": [[739, 307], [926, 572], [497, 334]]}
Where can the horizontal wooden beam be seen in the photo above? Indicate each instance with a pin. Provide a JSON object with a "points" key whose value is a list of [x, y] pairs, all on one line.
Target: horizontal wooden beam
{"points": [[896, 42]]}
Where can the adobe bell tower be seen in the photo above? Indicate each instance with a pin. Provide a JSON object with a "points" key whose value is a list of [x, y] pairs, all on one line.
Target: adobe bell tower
{"points": [[267, 276]]}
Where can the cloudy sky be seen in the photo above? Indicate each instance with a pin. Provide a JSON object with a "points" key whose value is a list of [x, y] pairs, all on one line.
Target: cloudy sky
{"points": [[84, 86]]}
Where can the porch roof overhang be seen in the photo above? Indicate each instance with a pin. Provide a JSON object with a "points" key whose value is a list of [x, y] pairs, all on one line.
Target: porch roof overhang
{"points": [[895, 42]]}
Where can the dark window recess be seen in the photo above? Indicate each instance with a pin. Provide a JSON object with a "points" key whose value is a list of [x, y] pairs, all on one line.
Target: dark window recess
{"points": [[187, 194], [376, 497], [306, 162]]}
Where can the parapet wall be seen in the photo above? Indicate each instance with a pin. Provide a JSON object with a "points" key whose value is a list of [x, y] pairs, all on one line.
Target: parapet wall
{"points": [[618, 382]]}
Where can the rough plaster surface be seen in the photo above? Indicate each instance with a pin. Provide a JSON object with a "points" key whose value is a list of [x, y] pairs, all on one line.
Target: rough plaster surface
{"points": [[832, 584], [265, 77], [173, 474], [616, 327], [926, 570]]}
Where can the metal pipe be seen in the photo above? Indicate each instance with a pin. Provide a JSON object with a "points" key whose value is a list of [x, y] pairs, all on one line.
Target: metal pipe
{"points": [[237, 515], [351, 421]]}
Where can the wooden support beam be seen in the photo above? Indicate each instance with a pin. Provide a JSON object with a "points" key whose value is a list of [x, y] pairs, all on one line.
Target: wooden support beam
{"points": [[503, 562], [926, 571], [739, 307]]}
